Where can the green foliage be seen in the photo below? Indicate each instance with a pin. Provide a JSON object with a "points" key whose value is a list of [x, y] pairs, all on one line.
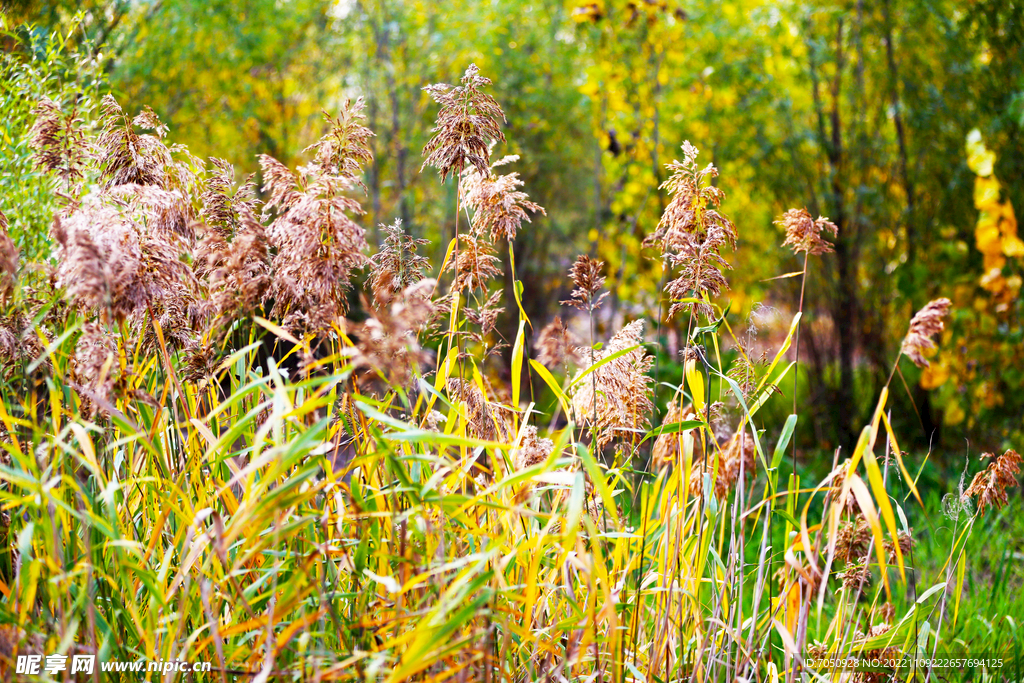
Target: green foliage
{"points": [[35, 64]]}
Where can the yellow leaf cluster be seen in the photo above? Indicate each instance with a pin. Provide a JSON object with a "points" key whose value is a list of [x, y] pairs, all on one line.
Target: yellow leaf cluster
{"points": [[995, 234]]}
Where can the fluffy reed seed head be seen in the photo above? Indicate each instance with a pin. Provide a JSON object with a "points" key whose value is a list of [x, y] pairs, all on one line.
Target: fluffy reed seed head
{"points": [[532, 450], [622, 400], [225, 206], [804, 233], [924, 325], [475, 264], [989, 486], [318, 246], [346, 146], [498, 207], [236, 272], [586, 275], [112, 265], [484, 420], [388, 344], [58, 143], [468, 121], [396, 265], [94, 367], [700, 275], [737, 454], [693, 207], [125, 156], [666, 446], [557, 345], [691, 234]]}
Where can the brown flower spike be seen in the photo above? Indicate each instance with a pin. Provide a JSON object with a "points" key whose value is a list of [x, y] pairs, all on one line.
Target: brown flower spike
{"points": [[924, 325], [803, 233], [586, 275], [499, 208], [622, 388], [989, 485], [468, 122]]}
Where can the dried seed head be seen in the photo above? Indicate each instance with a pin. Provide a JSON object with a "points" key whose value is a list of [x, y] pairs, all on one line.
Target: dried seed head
{"points": [[94, 367], [166, 214], [469, 120], [803, 233], [112, 265], [925, 324], [691, 234], [498, 207], [346, 146], [318, 245], [700, 276], [692, 211], [58, 143], [557, 345], [396, 265], [484, 420], [856, 576], [475, 264], [622, 400], [236, 273], [852, 540], [586, 275], [224, 206], [124, 155], [388, 345], [533, 450], [989, 485], [736, 455]]}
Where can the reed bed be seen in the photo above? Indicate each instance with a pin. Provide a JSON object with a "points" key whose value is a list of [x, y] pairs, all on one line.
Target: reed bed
{"points": [[206, 457]]}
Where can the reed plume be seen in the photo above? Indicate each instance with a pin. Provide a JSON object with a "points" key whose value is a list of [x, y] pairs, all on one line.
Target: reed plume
{"points": [[475, 264], [95, 368], [8, 261], [58, 144], [804, 233], [484, 419], [586, 276], [989, 486], [666, 446], [388, 343], [621, 399], [924, 325], [125, 156], [468, 121], [318, 246], [691, 234], [533, 450], [110, 265], [557, 345], [343, 150], [499, 208], [396, 265], [236, 271], [225, 207], [735, 455]]}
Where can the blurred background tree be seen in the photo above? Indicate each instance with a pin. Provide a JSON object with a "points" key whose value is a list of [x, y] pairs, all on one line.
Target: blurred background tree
{"points": [[859, 110]]}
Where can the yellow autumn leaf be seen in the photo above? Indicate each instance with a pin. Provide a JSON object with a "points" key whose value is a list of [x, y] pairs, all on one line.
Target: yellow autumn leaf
{"points": [[934, 376], [986, 192], [979, 159]]}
